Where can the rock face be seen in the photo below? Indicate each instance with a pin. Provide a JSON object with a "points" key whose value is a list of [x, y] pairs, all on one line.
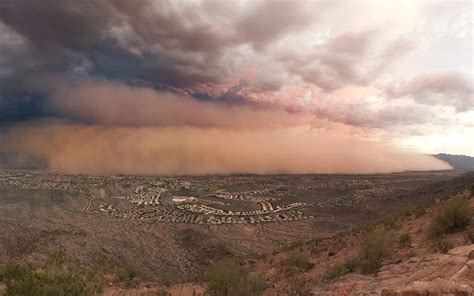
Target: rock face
{"points": [[436, 274]]}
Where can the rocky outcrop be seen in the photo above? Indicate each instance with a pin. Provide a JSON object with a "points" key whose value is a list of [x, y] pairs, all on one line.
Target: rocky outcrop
{"points": [[435, 274]]}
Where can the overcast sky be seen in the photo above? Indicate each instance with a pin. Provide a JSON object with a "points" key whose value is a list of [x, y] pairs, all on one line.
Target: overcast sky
{"points": [[398, 73]]}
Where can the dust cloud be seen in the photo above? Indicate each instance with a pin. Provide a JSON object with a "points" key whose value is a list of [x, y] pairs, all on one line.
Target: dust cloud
{"points": [[102, 149]]}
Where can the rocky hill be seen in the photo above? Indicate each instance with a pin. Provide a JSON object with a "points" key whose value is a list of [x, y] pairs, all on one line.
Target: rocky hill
{"points": [[403, 255], [462, 162]]}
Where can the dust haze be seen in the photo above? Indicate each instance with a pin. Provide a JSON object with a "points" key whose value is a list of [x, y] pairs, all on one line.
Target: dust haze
{"points": [[197, 151], [112, 128]]}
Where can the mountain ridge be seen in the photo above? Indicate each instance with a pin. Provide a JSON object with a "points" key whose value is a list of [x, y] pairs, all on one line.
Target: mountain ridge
{"points": [[463, 162]]}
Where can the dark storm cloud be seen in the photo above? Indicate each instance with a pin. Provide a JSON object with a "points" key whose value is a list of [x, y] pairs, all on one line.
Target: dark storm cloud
{"points": [[191, 48], [59, 25], [147, 27], [19, 107], [184, 87], [164, 42]]}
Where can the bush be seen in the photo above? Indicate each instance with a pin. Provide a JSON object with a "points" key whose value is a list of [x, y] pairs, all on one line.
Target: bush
{"points": [[53, 277], [167, 280], [443, 246], [335, 272], [129, 273], [38, 283], [352, 264], [454, 215], [340, 270], [228, 278], [298, 260], [11, 272], [375, 246], [405, 240]]}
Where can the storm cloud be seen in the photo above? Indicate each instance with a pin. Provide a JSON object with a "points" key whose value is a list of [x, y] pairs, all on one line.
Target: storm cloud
{"points": [[443, 88], [106, 75]]}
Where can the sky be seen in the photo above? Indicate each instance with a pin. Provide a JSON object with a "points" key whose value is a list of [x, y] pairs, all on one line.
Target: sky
{"points": [[199, 87]]}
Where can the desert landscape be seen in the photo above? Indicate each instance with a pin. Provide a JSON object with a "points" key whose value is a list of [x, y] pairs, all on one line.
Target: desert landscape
{"points": [[236, 147], [170, 230]]}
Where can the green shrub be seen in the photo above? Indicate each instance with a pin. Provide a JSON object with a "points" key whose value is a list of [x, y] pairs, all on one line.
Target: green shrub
{"points": [[22, 282], [443, 246], [11, 272], [58, 275], [129, 273], [454, 215], [228, 278], [298, 260], [167, 280], [405, 240], [352, 264], [375, 246], [340, 270], [335, 272]]}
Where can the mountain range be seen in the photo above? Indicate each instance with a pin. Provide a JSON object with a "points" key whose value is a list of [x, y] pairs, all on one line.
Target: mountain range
{"points": [[462, 162]]}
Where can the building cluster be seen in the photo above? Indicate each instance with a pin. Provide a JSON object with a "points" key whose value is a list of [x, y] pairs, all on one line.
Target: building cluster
{"points": [[172, 215], [145, 195], [267, 208], [197, 213], [245, 196]]}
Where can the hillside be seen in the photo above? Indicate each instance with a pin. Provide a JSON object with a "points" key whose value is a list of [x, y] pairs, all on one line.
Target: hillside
{"points": [[402, 255], [462, 162], [406, 254], [87, 233]]}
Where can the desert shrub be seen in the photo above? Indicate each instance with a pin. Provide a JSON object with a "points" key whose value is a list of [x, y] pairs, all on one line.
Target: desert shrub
{"points": [[11, 272], [228, 278], [335, 272], [21, 281], [167, 280], [405, 240], [340, 270], [416, 210], [129, 273], [454, 215], [352, 264], [375, 246], [57, 258], [443, 246], [298, 260], [58, 275]]}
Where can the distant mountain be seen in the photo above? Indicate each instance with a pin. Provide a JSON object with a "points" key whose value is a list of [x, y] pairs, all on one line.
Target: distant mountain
{"points": [[457, 161]]}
